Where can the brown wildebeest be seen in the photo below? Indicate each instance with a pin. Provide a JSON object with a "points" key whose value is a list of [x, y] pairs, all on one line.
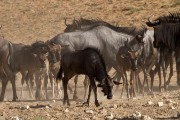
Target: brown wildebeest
{"points": [[90, 63], [54, 58], [31, 59], [6, 74]]}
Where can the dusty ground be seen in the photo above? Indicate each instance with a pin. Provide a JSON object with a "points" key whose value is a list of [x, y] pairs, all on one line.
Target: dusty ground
{"points": [[25, 21]]}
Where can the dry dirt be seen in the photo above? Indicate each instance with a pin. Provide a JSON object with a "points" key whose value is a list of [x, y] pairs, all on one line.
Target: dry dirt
{"points": [[26, 21]]}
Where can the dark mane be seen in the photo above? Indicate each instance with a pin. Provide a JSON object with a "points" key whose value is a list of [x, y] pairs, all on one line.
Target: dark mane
{"points": [[171, 18], [86, 24]]}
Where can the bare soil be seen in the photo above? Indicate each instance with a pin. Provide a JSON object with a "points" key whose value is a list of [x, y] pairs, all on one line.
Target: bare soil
{"points": [[26, 21]]}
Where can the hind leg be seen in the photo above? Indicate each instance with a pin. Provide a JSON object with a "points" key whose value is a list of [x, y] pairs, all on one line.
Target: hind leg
{"points": [[4, 84], [75, 89], [67, 77], [86, 83]]}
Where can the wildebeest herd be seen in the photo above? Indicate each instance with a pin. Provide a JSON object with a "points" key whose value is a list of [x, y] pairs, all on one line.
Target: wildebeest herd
{"points": [[92, 48]]}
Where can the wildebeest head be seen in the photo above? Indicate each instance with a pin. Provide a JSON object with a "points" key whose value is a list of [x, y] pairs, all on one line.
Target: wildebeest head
{"points": [[157, 30], [71, 27], [41, 53], [133, 50], [107, 86], [54, 53]]}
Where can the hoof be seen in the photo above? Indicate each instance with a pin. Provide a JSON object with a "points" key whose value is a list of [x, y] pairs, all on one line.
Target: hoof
{"points": [[85, 104]]}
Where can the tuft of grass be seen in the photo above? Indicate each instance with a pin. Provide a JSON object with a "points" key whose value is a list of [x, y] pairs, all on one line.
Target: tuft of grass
{"points": [[36, 118], [130, 10]]}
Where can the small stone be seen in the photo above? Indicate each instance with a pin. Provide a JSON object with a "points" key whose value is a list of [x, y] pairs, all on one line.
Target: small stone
{"points": [[172, 107], [48, 115], [27, 107], [136, 114], [94, 118], [150, 103], [109, 117], [103, 111], [15, 118], [66, 111], [54, 101], [89, 111], [160, 104], [47, 107], [170, 102], [85, 118], [145, 117]]}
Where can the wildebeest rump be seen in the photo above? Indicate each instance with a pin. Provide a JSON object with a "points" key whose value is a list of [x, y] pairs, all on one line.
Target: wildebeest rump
{"points": [[90, 63], [6, 74]]}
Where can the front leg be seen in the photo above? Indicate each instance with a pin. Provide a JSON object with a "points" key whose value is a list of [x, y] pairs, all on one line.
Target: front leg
{"points": [[94, 87]]}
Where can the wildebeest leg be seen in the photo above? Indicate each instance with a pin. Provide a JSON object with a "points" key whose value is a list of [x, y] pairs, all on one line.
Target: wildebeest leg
{"points": [[59, 90], [89, 94], [23, 73], [164, 73], [152, 79], [51, 78], [124, 86], [46, 78], [4, 84], [86, 84], [171, 71], [127, 84], [14, 88], [30, 83], [38, 81], [75, 88], [177, 55], [70, 89], [119, 75], [65, 84], [160, 80], [132, 84], [94, 87]]}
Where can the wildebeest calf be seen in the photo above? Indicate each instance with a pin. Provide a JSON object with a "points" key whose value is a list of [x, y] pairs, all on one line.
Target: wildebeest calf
{"points": [[90, 63]]}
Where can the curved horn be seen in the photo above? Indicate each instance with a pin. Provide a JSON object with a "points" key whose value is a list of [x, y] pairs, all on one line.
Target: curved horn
{"points": [[65, 22], [154, 23]]}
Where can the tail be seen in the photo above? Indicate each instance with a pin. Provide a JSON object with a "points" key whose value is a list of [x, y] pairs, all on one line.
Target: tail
{"points": [[10, 56], [59, 74]]}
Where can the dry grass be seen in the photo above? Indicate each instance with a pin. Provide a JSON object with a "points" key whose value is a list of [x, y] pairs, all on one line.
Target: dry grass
{"points": [[28, 20]]}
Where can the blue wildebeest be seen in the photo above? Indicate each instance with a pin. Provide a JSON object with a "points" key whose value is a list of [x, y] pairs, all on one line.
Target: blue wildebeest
{"points": [[6, 74], [88, 62], [167, 34], [84, 25]]}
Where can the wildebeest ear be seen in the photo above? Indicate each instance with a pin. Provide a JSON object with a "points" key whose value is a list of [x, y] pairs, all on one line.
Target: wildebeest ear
{"points": [[116, 83]]}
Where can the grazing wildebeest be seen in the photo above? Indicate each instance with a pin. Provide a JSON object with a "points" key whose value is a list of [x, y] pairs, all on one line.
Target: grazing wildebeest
{"points": [[6, 74], [167, 34], [31, 59], [106, 38], [88, 62]]}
